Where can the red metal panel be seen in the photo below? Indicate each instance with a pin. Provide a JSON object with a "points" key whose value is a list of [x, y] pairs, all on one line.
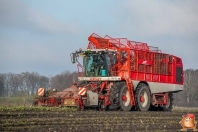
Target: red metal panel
{"points": [[141, 76], [148, 77], [134, 75], [163, 78], [170, 79], [155, 77]]}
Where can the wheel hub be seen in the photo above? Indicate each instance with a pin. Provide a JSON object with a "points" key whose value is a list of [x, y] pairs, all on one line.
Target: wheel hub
{"points": [[124, 98], [142, 99]]}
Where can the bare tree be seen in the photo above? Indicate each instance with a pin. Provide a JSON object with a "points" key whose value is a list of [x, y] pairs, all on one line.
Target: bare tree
{"points": [[2, 87], [44, 82], [190, 85], [33, 80], [189, 96], [63, 80], [21, 84]]}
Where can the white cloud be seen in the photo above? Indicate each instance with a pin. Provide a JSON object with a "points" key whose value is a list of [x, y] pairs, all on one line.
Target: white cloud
{"points": [[47, 22], [160, 17], [18, 15]]}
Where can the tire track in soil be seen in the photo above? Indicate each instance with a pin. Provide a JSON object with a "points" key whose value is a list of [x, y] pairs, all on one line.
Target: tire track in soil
{"points": [[91, 121]]}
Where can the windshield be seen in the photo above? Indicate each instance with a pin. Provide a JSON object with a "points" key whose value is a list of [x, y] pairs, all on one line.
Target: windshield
{"points": [[97, 65]]}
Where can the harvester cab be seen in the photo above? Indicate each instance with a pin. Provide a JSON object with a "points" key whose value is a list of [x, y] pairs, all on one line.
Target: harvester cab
{"points": [[96, 62]]}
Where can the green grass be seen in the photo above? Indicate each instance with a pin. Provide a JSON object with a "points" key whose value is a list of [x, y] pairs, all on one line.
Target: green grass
{"points": [[16, 101], [31, 108]]}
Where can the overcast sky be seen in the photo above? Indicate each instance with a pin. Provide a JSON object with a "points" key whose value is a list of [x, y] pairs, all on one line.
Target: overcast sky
{"points": [[39, 35]]}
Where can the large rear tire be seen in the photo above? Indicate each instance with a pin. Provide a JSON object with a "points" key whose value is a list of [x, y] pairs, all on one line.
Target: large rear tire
{"points": [[125, 99], [143, 97]]}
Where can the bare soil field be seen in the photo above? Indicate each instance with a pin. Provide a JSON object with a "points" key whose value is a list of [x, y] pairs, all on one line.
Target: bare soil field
{"points": [[70, 120]]}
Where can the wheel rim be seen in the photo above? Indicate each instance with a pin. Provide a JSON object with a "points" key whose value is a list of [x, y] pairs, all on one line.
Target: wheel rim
{"points": [[145, 96], [126, 102]]}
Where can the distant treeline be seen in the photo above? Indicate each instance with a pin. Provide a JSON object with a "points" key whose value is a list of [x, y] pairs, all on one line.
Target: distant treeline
{"points": [[26, 84], [189, 96]]}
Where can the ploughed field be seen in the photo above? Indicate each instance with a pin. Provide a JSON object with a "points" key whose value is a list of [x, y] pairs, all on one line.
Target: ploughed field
{"points": [[70, 120]]}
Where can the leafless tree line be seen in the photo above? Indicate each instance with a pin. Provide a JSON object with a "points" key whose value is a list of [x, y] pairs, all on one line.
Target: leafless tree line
{"points": [[63, 80], [26, 84], [189, 96]]}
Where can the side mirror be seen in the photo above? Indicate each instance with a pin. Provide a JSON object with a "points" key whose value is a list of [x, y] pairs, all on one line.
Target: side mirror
{"points": [[73, 57]]}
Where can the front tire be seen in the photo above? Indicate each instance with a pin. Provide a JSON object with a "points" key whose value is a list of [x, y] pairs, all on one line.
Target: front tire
{"points": [[102, 107], [143, 97], [115, 94]]}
